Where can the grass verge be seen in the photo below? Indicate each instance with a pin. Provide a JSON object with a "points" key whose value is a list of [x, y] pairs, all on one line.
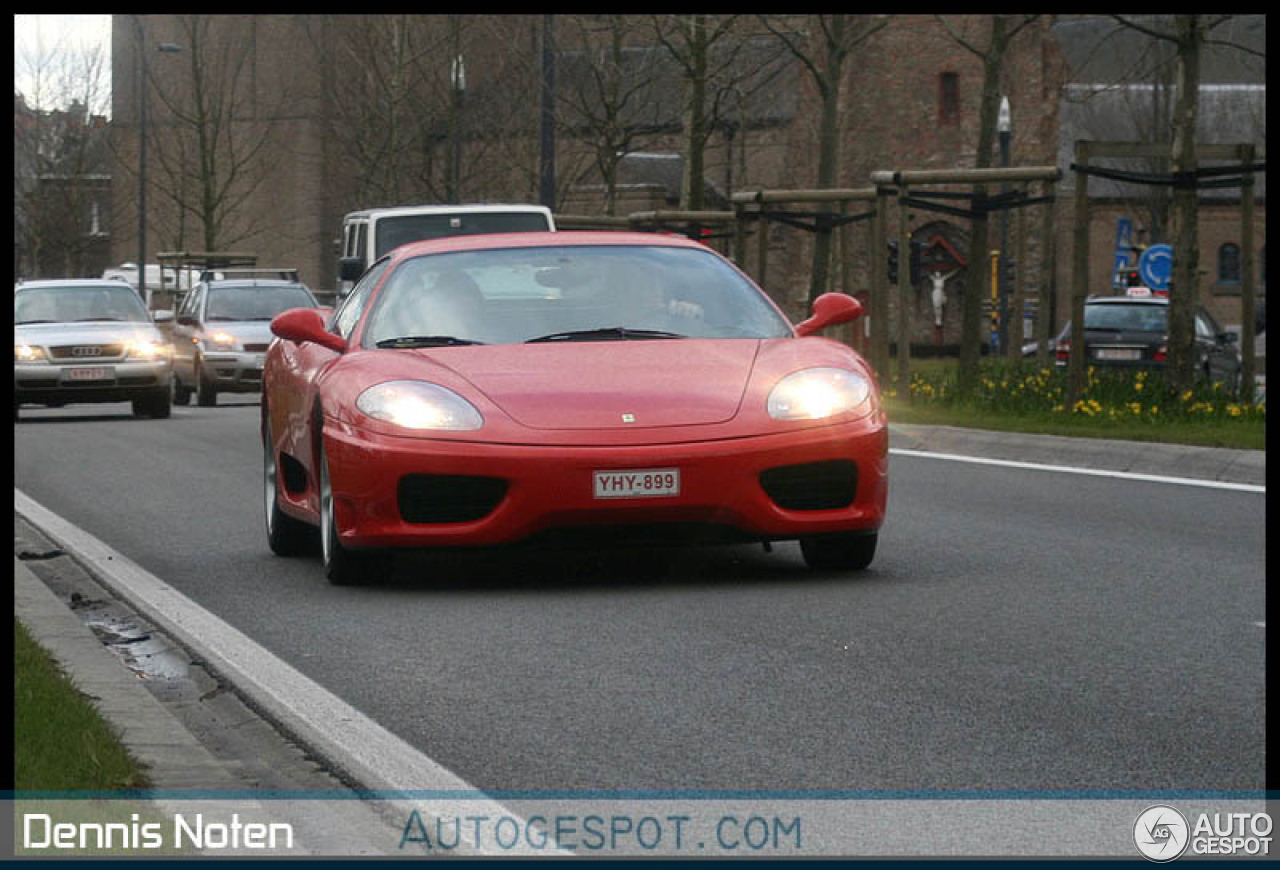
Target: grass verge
{"points": [[1131, 406], [61, 742]]}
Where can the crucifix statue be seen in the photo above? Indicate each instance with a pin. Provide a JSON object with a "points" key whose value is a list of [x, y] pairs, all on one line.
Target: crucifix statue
{"points": [[939, 295]]}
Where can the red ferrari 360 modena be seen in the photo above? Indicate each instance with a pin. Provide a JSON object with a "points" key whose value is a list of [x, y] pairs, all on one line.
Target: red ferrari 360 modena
{"points": [[485, 390]]}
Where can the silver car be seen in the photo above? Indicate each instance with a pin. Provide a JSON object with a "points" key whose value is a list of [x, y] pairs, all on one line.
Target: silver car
{"points": [[222, 332], [88, 340]]}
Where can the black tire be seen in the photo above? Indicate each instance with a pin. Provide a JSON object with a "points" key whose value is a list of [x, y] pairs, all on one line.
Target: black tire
{"points": [[157, 405], [206, 392], [286, 536], [843, 552], [342, 566], [181, 394]]}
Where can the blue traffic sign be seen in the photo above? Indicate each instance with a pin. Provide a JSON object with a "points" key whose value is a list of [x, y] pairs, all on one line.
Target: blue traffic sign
{"points": [[1155, 266]]}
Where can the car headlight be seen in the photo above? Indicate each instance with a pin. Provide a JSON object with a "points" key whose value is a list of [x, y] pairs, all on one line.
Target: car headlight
{"points": [[419, 405], [220, 341], [145, 348], [26, 353], [815, 394]]}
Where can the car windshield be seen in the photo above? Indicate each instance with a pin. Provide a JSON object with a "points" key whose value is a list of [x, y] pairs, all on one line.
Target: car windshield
{"points": [[70, 304], [570, 293], [396, 231], [1123, 317], [255, 302]]}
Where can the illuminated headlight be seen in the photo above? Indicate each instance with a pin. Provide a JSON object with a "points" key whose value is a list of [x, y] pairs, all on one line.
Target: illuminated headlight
{"points": [[419, 405], [220, 341], [144, 348], [26, 353], [815, 394]]}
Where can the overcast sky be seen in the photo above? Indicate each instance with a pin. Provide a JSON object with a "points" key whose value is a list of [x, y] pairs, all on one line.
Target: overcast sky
{"points": [[42, 38]]}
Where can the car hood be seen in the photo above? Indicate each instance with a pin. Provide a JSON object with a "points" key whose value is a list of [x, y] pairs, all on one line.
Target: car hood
{"points": [[609, 384], [99, 332]]}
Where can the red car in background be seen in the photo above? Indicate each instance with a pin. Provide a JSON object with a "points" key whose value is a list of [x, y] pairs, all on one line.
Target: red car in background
{"points": [[494, 389]]}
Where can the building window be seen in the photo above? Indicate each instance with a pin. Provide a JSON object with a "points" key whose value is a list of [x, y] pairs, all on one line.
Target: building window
{"points": [[948, 98], [1229, 264]]}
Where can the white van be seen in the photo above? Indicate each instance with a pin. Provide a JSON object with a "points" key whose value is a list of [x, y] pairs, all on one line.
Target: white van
{"points": [[368, 234]]}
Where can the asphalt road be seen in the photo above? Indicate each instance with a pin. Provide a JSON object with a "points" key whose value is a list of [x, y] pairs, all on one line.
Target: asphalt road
{"points": [[1018, 629]]}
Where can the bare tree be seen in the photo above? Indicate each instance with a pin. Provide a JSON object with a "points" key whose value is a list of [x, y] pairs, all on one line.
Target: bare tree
{"points": [[60, 160], [214, 141], [1189, 34], [608, 92], [990, 48], [824, 53]]}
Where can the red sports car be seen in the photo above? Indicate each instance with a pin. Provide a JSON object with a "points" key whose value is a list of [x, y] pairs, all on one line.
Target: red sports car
{"points": [[485, 390]]}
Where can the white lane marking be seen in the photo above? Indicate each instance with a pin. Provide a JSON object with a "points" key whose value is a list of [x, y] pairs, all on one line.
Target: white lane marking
{"points": [[1070, 469], [357, 745]]}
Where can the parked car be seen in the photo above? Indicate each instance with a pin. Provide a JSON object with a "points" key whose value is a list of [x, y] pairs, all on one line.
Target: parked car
{"points": [[89, 340], [500, 388], [1132, 331], [221, 335]]}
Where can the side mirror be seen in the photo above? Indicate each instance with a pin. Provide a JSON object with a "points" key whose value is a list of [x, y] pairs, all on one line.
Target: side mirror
{"points": [[306, 324], [164, 315], [350, 268], [830, 309], [1229, 337]]}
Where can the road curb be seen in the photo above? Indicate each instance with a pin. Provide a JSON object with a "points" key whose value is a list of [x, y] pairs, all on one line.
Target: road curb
{"points": [[172, 756]]}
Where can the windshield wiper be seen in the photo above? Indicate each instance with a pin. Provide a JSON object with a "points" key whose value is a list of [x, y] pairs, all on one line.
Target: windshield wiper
{"points": [[25, 322], [95, 319], [410, 341], [607, 333]]}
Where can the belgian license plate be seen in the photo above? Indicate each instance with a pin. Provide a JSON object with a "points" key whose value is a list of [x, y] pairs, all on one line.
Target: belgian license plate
{"points": [[87, 373], [1118, 353], [641, 483]]}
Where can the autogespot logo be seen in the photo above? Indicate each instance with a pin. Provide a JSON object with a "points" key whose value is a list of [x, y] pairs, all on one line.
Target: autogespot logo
{"points": [[1161, 833]]}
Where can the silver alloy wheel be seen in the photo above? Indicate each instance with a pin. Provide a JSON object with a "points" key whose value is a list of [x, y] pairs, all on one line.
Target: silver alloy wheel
{"points": [[269, 477], [328, 529]]}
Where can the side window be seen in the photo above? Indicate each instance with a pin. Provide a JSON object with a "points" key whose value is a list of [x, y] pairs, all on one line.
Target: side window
{"points": [[1229, 264], [344, 319], [1205, 327], [362, 234], [192, 303]]}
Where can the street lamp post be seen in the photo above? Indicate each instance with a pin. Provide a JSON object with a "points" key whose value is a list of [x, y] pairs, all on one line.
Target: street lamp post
{"points": [[458, 79], [143, 287], [1004, 126]]}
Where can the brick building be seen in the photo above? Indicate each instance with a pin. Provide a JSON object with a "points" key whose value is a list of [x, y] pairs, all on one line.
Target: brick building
{"points": [[320, 109]]}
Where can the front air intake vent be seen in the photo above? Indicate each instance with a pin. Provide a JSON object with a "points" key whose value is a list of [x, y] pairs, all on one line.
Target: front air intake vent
{"points": [[812, 486], [448, 498]]}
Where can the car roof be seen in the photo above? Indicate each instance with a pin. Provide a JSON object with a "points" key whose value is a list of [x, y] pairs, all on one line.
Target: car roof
{"points": [[253, 282], [559, 239], [71, 282], [1128, 300], [398, 210]]}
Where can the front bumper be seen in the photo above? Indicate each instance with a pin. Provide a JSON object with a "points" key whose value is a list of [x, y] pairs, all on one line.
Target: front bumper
{"points": [[45, 383], [551, 488], [234, 371]]}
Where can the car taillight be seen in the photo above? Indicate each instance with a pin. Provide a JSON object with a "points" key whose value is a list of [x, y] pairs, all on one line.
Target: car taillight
{"points": [[1062, 351], [1161, 354]]}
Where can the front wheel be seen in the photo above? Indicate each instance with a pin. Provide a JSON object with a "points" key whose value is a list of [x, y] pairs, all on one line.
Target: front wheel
{"points": [[285, 535], [206, 392], [851, 551], [156, 405], [343, 567]]}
